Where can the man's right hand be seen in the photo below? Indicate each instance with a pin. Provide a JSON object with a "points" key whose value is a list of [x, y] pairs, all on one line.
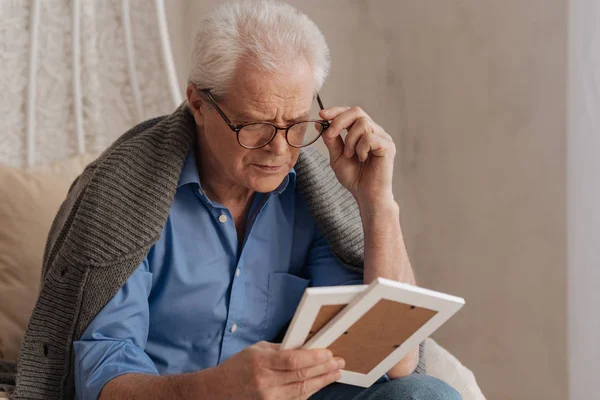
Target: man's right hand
{"points": [[263, 371]]}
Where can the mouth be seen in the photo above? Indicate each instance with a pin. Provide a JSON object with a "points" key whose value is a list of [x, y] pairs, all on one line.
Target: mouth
{"points": [[269, 168]]}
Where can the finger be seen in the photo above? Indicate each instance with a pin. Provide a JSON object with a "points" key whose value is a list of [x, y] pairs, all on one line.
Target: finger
{"points": [[332, 112], [373, 144], [379, 131], [305, 389], [362, 126], [344, 120], [290, 360], [306, 373]]}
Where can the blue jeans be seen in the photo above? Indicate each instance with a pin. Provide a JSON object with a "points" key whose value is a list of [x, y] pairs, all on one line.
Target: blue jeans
{"points": [[411, 387]]}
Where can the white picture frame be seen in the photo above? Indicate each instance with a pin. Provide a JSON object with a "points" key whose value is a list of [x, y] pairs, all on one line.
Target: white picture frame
{"points": [[360, 299]]}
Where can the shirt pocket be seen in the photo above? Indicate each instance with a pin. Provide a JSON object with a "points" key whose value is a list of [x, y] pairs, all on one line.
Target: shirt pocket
{"points": [[284, 293]]}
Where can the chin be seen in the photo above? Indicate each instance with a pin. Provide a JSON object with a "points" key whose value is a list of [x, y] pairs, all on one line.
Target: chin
{"points": [[266, 184]]}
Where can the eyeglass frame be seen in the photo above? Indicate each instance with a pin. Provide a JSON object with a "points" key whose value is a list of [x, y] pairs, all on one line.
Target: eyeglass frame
{"points": [[237, 128]]}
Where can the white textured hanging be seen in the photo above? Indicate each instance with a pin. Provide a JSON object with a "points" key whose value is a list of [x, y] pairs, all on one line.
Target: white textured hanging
{"points": [[31, 86], [77, 95], [79, 74], [125, 9]]}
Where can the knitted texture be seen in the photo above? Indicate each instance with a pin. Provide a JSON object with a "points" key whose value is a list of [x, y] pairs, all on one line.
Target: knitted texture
{"points": [[7, 376], [114, 213]]}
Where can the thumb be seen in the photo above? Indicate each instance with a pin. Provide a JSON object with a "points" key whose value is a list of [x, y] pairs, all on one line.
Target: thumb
{"points": [[335, 145], [332, 112], [268, 345]]}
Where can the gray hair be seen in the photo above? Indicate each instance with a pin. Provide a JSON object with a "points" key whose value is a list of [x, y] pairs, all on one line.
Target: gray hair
{"points": [[269, 34]]}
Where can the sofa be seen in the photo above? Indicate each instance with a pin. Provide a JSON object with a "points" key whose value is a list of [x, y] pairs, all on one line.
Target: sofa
{"points": [[29, 199]]}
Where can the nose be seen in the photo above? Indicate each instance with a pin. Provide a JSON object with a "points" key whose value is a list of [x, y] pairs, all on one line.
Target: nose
{"points": [[279, 144]]}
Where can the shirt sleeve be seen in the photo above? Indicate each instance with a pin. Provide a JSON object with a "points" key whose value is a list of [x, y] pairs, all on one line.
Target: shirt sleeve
{"points": [[324, 269], [113, 344]]}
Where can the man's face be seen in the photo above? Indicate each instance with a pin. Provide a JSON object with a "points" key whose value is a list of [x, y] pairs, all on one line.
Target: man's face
{"points": [[255, 96]]}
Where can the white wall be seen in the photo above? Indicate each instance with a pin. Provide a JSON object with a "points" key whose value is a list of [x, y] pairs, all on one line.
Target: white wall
{"points": [[583, 206]]}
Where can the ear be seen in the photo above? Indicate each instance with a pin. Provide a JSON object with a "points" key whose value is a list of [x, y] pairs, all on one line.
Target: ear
{"points": [[195, 103]]}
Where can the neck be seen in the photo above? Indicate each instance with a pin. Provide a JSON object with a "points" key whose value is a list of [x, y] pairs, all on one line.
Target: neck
{"points": [[218, 186]]}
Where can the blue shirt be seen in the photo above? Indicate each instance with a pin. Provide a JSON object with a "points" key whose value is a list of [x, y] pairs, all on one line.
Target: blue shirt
{"points": [[199, 297]]}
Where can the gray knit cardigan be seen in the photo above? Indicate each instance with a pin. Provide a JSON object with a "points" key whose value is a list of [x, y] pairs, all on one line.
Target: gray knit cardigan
{"points": [[113, 214]]}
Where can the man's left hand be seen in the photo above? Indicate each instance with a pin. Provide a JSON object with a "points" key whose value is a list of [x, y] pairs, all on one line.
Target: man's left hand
{"points": [[363, 161]]}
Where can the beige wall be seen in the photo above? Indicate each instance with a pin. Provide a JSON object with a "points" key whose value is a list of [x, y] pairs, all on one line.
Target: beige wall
{"points": [[474, 94]]}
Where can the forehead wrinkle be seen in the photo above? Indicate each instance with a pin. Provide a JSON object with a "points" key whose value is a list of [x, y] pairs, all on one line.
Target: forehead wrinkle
{"points": [[269, 110], [250, 117], [273, 97], [246, 117]]}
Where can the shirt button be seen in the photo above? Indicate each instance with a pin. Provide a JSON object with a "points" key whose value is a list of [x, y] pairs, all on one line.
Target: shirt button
{"points": [[234, 328], [222, 218], [237, 272]]}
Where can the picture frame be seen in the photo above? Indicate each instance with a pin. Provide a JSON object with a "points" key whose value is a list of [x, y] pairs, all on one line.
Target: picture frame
{"points": [[371, 326]]}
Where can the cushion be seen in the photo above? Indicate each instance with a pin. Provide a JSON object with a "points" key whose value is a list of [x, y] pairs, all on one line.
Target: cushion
{"points": [[444, 366], [29, 200]]}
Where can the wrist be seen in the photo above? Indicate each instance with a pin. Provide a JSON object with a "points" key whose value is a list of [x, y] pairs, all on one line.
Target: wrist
{"points": [[381, 206], [194, 384]]}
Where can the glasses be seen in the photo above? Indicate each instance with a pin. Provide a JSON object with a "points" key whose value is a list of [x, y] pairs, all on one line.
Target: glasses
{"points": [[254, 135]]}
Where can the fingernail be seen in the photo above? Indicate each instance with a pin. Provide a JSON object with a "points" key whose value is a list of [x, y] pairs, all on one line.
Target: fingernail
{"points": [[340, 362]]}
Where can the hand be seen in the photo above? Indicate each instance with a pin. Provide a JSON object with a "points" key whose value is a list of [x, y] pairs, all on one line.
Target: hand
{"points": [[263, 371], [363, 162]]}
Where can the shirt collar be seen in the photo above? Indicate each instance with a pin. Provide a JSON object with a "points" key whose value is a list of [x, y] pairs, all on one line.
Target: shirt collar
{"points": [[189, 175], [288, 181]]}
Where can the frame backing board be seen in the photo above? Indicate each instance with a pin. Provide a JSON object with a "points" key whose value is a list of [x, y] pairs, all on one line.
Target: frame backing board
{"points": [[372, 327]]}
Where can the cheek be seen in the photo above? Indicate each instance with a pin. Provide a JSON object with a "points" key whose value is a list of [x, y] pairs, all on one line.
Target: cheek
{"points": [[295, 155], [225, 148], [236, 159]]}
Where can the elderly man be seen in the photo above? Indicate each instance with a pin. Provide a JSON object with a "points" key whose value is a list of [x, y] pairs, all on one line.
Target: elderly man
{"points": [[182, 252]]}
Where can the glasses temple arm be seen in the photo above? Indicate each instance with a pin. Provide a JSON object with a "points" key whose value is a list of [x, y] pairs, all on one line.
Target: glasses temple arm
{"points": [[214, 103], [320, 102]]}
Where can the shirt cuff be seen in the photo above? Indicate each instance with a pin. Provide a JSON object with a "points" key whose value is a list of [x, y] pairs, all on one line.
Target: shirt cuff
{"points": [[97, 362]]}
